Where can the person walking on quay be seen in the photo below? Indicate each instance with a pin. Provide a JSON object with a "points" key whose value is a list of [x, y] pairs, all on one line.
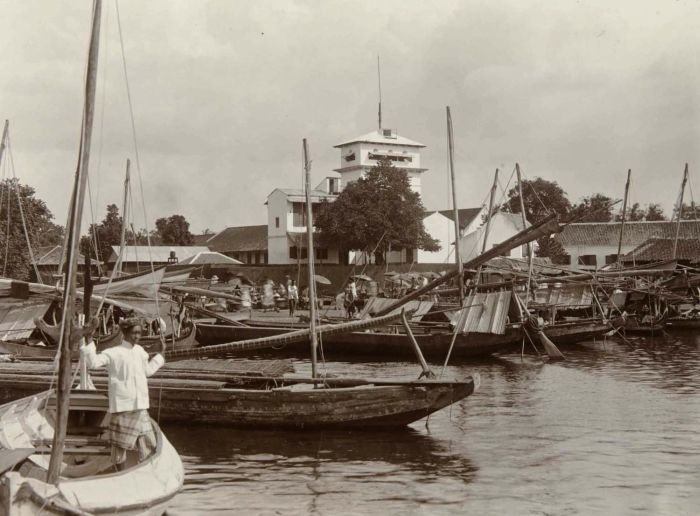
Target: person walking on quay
{"points": [[292, 297], [128, 366]]}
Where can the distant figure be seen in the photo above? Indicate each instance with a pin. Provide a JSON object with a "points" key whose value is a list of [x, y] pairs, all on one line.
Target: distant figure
{"points": [[268, 295], [292, 297], [128, 366], [350, 298]]}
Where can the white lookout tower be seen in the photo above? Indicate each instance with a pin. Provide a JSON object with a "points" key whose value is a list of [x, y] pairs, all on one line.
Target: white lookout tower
{"points": [[360, 154]]}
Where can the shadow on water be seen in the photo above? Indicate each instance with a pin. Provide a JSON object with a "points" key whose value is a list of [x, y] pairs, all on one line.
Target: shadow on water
{"points": [[306, 472], [406, 448]]}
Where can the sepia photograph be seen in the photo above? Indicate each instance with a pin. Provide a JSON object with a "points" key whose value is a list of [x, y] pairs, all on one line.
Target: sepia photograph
{"points": [[305, 257]]}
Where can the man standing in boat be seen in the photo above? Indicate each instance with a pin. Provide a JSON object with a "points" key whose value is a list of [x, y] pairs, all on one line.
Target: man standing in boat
{"points": [[128, 366]]}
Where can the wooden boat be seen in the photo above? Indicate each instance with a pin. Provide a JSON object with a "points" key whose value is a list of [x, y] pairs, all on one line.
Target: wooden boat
{"points": [[433, 341], [186, 340], [634, 326], [282, 402], [683, 323], [143, 488]]}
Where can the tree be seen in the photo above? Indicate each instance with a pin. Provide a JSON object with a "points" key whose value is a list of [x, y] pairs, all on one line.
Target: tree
{"points": [[636, 213], [655, 212], [541, 197], [594, 208], [688, 212], [377, 213], [14, 253], [174, 230], [103, 235]]}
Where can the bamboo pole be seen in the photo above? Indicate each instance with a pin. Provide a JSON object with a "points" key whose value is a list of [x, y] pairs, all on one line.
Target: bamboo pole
{"points": [[310, 259], [69, 335], [125, 205], [458, 260], [624, 215], [492, 199], [530, 250], [680, 211]]}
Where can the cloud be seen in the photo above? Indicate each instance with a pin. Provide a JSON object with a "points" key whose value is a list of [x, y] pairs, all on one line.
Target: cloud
{"points": [[223, 93]]}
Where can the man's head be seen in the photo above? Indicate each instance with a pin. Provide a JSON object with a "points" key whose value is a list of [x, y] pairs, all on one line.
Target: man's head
{"points": [[131, 328]]}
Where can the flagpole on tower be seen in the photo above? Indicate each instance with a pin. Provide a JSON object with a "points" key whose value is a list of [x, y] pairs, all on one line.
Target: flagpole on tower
{"points": [[379, 81]]}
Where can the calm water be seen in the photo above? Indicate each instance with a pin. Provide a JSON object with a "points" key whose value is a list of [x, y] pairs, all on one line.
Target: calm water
{"points": [[613, 430]]}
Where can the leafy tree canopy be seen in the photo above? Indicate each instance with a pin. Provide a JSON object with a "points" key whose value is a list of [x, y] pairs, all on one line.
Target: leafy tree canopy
{"points": [[541, 197], [14, 253], [174, 230], [377, 212], [636, 213], [594, 208]]}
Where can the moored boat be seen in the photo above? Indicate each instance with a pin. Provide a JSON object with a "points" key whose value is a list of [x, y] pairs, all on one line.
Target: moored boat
{"points": [[88, 483]]}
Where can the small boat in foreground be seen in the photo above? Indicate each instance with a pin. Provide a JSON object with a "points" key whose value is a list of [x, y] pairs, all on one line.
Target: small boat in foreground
{"points": [[88, 483]]}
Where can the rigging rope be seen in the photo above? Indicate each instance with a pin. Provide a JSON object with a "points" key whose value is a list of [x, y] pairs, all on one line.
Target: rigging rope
{"points": [[21, 210], [136, 153]]}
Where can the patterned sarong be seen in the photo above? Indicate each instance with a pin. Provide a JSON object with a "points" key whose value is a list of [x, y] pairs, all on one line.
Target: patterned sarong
{"points": [[129, 431]]}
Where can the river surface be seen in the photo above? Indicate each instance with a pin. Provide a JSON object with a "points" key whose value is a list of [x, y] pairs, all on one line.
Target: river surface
{"points": [[615, 429]]}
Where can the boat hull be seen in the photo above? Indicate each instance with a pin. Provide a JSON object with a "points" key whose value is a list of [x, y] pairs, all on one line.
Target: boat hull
{"points": [[369, 343], [256, 402], [145, 488]]}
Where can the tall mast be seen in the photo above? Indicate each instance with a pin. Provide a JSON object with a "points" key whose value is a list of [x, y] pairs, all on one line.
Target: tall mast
{"points": [[624, 214], [310, 258], [379, 83], [492, 199], [529, 247], [455, 210], [680, 211], [125, 206], [4, 139], [69, 335]]}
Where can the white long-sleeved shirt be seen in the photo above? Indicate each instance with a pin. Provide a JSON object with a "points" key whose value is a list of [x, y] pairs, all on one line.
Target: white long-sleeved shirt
{"points": [[128, 368]]}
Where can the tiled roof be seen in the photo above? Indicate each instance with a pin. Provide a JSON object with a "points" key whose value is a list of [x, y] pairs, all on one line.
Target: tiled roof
{"points": [[660, 249], [240, 238], [635, 233], [209, 258], [466, 215], [157, 253], [51, 256], [377, 137], [202, 239]]}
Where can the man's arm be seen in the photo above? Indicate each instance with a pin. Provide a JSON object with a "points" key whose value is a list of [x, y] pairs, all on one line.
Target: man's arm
{"points": [[93, 359]]}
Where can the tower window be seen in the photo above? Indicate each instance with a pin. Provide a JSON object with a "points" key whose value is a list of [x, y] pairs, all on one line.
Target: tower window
{"points": [[277, 222]]}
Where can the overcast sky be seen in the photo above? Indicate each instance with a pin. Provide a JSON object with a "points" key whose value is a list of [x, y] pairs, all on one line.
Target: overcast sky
{"points": [[224, 91]]}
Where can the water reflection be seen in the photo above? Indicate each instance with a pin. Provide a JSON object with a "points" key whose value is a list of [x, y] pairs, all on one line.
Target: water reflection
{"points": [[310, 471], [611, 430]]}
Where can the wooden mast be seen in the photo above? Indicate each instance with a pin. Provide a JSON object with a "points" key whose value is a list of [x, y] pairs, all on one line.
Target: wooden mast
{"points": [[455, 210], [492, 199], [125, 205], [529, 247], [310, 258], [4, 139], [71, 335], [624, 214], [680, 211]]}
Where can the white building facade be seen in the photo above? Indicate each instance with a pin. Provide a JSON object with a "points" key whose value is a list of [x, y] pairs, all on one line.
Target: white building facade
{"points": [[286, 224]]}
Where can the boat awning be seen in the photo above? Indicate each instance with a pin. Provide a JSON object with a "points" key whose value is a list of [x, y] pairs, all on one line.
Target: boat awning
{"points": [[561, 295], [376, 304], [484, 313], [17, 318]]}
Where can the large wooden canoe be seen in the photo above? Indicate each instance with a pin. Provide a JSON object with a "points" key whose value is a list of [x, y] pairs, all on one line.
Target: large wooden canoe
{"points": [[88, 483], [433, 341], [282, 402]]}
